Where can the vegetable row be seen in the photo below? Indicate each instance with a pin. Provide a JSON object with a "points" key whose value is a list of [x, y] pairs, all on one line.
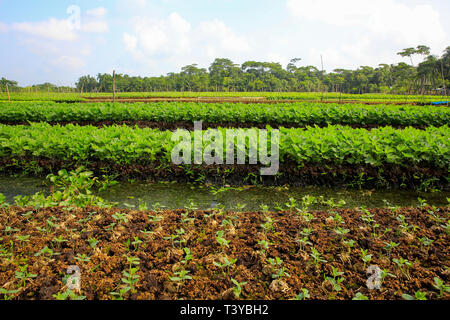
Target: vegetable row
{"points": [[335, 145], [299, 113]]}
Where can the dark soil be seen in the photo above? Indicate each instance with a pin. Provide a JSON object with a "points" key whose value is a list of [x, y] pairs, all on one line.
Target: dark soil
{"points": [[189, 125], [328, 175], [160, 258], [245, 100]]}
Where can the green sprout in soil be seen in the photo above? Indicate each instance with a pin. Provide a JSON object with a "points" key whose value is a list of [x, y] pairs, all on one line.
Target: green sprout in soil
{"points": [[7, 294], [23, 275], [389, 246], [238, 288], [220, 238], [335, 279], [365, 257], [130, 279], [46, 252], [349, 244], [268, 225], [303, 295], [440, 286], [59, 241], [279, 271], [187, 256], [226, 265], [304, 241], [68, 294], [417, 296], [317, 257], [360, 296], [264, 245], [181, 276], [403, 265], [82, 258], [93, 243]]}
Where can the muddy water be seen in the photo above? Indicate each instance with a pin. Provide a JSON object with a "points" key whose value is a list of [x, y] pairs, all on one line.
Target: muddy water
{"points": [[176, 195]]}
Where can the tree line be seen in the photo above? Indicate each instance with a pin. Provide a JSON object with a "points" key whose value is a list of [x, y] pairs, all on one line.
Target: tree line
{"points": [[431, 76]]}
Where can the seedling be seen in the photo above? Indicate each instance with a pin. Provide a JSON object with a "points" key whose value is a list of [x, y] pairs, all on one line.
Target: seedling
{"points": [[403, 265], [23, 275], [59, 240], [130, 278], [8, 294], [341, 232], [349, 244], [303, 295], [240, 207], [82, 258], [238, 288], [22, 239], [360, 296], [68, 294], [93, 243], [120, 217], [227, 264], [426, 242], [264, 245], [389, 246], [335, 279], [136, 243], [280, 272], [220, 238], [317, 257], [181, 276], [439, 285], [46, 252], [268, 225], [188, 256], [365, 257], [417, 296]]}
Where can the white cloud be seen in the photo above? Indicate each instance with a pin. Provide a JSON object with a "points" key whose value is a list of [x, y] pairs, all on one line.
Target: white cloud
{"points": [[94, 21], [3, 27], [97, 12], [51, 29], [175, 39], [130, 41], [69, 62], [408, 24], [219, 37]]}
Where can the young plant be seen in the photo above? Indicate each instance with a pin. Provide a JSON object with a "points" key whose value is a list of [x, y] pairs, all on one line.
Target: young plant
{"points": [[317, 257], [365, 257], [226, 265], [220, 238], [68, 294], [417, 296], [335, 279], [439, 285], [181, 276], [280, 271], [403, 265], [238, 288], [303, 295], [23, 275]]}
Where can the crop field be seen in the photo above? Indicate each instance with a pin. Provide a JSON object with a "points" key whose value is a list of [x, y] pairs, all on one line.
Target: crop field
{"points": [[237, 96], [83, 144]]}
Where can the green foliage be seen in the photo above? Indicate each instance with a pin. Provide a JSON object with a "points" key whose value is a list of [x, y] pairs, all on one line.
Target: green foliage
{"points": [[303, 113]]}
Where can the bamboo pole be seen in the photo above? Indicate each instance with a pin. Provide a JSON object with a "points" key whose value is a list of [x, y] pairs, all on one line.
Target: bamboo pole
{"points": [[7, 90], [114, 86]]}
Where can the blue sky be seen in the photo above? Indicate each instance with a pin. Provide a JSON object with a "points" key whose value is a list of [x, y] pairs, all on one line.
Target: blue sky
{"points": [[43, 41]]}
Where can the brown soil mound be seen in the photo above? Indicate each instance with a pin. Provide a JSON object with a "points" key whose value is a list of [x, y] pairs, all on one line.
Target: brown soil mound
{"points": [[99, 244]]}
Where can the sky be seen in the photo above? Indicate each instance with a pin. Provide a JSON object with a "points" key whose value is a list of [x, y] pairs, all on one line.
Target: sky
{"points": [[60, 40]]}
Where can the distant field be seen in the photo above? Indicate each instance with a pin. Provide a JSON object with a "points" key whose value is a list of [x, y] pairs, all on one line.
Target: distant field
{"points": [[328, 96]]}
